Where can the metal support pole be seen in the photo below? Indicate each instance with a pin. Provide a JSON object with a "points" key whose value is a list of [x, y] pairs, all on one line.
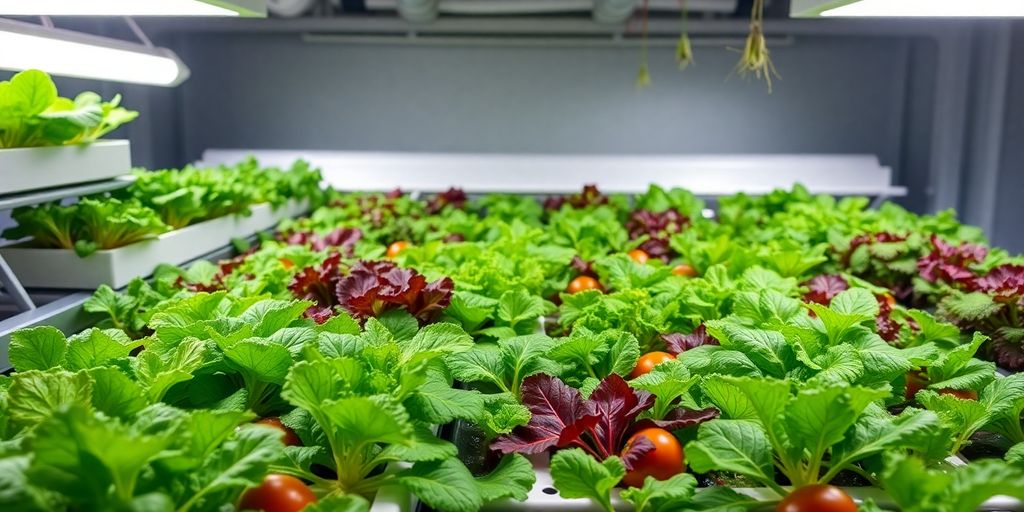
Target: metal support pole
{"points": [[14, 288]]}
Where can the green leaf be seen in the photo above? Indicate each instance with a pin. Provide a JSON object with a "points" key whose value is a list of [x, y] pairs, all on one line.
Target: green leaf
{"points": [[444, 485], [877, 434], [820, 416], [739, 446], [269, 316], [94, 347], [578, 475], [470, 309], [436, 402], [422, 446], [439, 339], [240, 462], [73, 456], [519, 309], [260, 360], [668, 382], [360, 420], [483, 363], [512, 478], [662, 495], [403, 326], [37, 348], [970, 307], [34, 396], [115, 394]]}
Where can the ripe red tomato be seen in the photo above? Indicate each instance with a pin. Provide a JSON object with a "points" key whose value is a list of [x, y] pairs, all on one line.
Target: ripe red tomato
{"points": [[963, 394], [288, 436], [664, 462], [639, 256], [817, 498], [648, 361], [916, 381], [397, 247], [277, 493], [583, 283], [684, 270]]}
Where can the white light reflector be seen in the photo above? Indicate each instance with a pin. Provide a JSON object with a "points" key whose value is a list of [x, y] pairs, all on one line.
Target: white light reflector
{"points": [[116, 8], [930, 8], [65, 53]]}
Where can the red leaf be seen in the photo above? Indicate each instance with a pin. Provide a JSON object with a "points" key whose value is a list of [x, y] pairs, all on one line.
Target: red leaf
{"points": [[433, 299], [317, 283], [821, 289], [616, 405], [454, 197], [635, 452], [554, 407], [373, 287], [950, 263], [678, 343], [678, 418]]}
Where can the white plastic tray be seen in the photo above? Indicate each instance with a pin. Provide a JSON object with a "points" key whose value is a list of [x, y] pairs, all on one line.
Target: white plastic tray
{"points": [[61, 268], [24, 169]]}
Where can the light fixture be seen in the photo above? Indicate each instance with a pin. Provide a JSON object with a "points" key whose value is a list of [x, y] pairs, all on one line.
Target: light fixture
{"points": [[66, 53], [908, 8], [254, 8]]}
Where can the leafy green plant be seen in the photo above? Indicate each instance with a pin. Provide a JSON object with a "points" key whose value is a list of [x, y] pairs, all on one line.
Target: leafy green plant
{"points": [[31, 113]]}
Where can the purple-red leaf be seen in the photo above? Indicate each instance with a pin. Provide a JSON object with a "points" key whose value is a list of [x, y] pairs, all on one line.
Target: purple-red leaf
{"points": [[316, 283], [454, 197], [950, 263], [554, 408], [677, 343], [678, 418], [635, 451], [821, 289], [616, 405]]}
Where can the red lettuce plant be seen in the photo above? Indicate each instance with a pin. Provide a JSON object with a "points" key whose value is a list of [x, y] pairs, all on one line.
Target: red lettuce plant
{"points": [[342, 238], [373, 287], [992, 304], [884, 259], [590, 196], [657, 227], [600, 425], [950, 264], [454, 197], [318, 284], [677, 343]]}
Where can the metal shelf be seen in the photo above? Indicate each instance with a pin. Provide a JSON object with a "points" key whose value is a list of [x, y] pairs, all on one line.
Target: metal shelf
{"points": [[12, 201]]}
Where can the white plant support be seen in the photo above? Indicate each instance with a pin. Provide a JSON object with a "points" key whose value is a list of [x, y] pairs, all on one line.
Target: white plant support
{"points": [[62, 268], [23, 169], [704, 175]]}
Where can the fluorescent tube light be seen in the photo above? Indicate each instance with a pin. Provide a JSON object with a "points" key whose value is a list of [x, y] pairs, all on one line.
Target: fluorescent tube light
{"points": [[133, 7], [74, 54], [909, 8]]}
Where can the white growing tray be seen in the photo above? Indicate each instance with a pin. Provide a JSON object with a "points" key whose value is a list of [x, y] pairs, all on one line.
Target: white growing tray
{"points": [[62, 268], [23, 169]]}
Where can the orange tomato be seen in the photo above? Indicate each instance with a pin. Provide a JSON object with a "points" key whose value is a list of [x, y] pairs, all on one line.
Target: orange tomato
{"points": [[277, 493], [583, 283], [288, 436], [648, 361], [639, 256], [663, 462], [286, 263], [684, 270], [397, 247]]}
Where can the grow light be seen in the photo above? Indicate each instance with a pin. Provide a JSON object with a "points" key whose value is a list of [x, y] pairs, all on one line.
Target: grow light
{"points": [[133, 7], [74, 54], [908, 8]]}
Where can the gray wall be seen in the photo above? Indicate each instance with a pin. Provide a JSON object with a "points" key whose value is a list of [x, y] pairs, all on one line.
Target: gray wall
{"points": [[1009, 214]]}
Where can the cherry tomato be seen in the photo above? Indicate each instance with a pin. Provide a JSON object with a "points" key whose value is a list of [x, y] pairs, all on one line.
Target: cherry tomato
{"points": [[639, 256], [648, 361], [665, 461], [963, 394], [397, 247], [817, 498], [684, 270], [277, 493], [286, 263], [288, 436], [916, 381], [583, 283]]}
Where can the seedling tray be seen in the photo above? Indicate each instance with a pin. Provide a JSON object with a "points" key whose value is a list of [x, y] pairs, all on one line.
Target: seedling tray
{"points": [[23, 169], [62, 268]]}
